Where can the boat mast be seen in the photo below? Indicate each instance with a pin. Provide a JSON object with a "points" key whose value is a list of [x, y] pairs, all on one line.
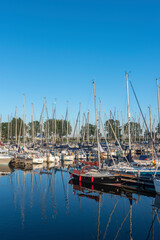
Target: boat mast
{"points": [[62, 129], [129, 135], [151, 130], [16, 126], [158, 104], [96, 122], [24, 119], [79, 121], [52, 124], [11, 127], [55, 121], [135, 127], [122, 128], [32, 126], [99, 121], [88, 127], [67, 122], [8, 128]]}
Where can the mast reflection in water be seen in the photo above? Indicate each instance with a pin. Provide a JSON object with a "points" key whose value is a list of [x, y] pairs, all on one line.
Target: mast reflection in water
{"points": [[46, 204]]}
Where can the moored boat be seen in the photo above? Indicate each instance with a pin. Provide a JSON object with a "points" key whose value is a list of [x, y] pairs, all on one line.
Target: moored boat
{"points": [[5, 158], [95, 176], [157, 184]]}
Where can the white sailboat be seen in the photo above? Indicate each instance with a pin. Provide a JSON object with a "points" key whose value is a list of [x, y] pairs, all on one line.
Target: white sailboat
{"points": [[5, 158]]}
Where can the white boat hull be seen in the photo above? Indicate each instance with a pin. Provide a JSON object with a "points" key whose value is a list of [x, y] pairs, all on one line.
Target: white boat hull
{"points": [[157, 185], [68, 158], [5, 160], [37, 160], [53, 159]]}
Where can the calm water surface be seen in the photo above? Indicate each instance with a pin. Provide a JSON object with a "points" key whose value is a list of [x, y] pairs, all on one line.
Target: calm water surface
{"points": [[44, 205]]}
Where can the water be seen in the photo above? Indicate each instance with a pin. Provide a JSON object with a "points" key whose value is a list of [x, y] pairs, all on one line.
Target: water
{"points": [[44, 205]]}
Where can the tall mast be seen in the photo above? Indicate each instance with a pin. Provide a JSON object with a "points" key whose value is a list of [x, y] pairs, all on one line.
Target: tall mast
{"points": [[99, 121], [11, 127], [79, 122], [88, 127], [96, 122], [8, 128], [135, 128], [52, 123], [24, 118], [32, 126], [55, 121], [16, 126], [67, 122], [129, 134], [151, 130], [139, 122], [115, 120], [158, 104], [122, 127], [62, 129], [117, 125]]}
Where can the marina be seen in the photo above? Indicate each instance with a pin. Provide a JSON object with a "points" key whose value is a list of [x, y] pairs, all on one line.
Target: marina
{"points": [[116, 167], [79, 120]]}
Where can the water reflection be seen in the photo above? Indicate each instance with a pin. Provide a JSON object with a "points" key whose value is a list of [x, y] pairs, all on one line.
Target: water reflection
{"points": [[42, 202]]}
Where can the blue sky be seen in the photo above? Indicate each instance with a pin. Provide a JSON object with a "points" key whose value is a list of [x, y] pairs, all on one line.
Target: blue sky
{"points": [[55, 48]]}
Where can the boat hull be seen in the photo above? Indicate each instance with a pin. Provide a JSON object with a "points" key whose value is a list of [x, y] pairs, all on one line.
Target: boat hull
{"points": [[93, 179], [5, 160], [157, 185]]}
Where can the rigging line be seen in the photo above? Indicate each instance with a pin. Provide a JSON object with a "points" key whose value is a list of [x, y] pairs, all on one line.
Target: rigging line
{"points": [[151, 227], [75, 128], [116, 136], [109, 220], [107, 142], [140, 109], [145, 125], [157, 216], [122, 223]]}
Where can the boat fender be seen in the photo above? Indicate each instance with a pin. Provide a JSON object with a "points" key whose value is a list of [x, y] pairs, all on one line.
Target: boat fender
{"points": [[92, 179], [79, 178], [92, 187], [71, 175]]}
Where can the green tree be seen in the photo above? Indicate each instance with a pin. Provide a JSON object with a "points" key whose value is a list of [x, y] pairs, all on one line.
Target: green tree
{"points": [[12, 129], [36, 128], [84, 130], [115, 125], [61, 127], [135, 130]]}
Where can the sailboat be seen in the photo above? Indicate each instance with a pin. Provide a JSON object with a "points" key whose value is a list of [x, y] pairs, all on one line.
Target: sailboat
{"points": [[156, 178], [95, 175]]}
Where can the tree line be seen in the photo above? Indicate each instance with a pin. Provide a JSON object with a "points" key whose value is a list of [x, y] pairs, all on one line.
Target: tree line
{"points": [[18, 128], [51, 128]]}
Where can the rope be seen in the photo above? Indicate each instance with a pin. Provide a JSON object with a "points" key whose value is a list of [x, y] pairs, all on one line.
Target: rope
{"points": [[116, 137]]}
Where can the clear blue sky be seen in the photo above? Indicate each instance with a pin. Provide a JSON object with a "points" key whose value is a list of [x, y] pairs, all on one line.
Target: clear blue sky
{"points": [[54, 48]]}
